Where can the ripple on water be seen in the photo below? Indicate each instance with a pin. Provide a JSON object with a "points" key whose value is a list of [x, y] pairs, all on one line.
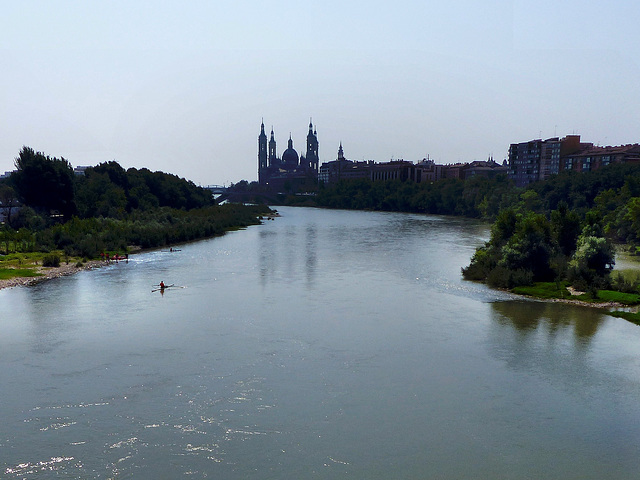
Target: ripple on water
{"points": [[52, 464]]}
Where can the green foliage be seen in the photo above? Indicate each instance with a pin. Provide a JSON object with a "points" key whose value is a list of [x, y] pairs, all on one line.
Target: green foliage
{"points": [[48, 186], [503, 277], [8, 200], [14, 241], [44, 183], [526, 247], [626, 282], [52, 260], [8, 273], [519, 252], [618, 297], [106, 210], [544, 290], [476, 197], [530, 247], [91, 236], [565, 227], [504, 227], [107, 190], [585, 212], [592, 261]]}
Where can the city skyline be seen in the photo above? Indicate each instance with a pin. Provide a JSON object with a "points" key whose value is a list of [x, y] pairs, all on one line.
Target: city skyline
{"points": [[182, 88]]}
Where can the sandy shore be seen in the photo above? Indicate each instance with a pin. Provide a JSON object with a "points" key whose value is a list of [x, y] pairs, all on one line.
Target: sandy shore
{"points": [[604, 305], [50, 272]]}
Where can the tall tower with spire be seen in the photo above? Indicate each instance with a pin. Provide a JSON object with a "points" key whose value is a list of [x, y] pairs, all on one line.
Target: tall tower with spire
{"points": [[289, 171], [262, 155], [272, 150], [312, 149]]}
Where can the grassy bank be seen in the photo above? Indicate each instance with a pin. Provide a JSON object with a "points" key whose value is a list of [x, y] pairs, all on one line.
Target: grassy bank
{"points": [[9, 273], [83, 243], [31, 264], [601, 299], [560, 291]]}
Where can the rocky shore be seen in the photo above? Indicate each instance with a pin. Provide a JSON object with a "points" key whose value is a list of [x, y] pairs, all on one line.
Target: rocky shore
{"points": [[47, 273]]}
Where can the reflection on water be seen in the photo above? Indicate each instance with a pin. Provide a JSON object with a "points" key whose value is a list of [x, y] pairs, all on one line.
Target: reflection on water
{"points": [[278, 252], [533, 316], [323, 344]]}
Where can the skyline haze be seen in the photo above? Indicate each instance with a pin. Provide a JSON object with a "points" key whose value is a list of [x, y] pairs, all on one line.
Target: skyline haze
{"points": [[183, 87]]}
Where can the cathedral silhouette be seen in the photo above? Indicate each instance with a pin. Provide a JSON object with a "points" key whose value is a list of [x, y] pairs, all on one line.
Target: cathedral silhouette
{"points": [[289, 171]]}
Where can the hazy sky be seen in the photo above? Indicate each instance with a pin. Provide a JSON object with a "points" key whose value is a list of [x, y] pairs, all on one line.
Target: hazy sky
{"points": [[182, 86]]}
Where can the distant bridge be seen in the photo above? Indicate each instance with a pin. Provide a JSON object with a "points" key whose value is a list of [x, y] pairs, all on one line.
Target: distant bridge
{"points": [[216, 189]]}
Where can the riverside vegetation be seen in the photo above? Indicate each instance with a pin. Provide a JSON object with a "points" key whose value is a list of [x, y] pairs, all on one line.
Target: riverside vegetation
{"points": [[547, 239], [54, 215]]}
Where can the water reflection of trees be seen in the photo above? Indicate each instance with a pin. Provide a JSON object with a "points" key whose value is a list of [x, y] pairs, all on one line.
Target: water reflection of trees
{"points": [[528, 316]]}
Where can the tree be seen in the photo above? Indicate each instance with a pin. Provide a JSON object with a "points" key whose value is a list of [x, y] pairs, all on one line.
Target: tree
{"points": [[565, 226], [593, 253], [8, 201], [530, 247], [98, 196], [44, 183]]}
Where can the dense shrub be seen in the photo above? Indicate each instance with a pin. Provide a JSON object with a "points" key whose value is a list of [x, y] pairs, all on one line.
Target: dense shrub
{"points": [[526, 248], [92, 236], [51, 260]]}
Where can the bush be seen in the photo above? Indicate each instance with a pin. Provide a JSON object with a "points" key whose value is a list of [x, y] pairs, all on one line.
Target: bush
{"points": [[503, 277], [51, 260], [544, 290], [624, 284]]}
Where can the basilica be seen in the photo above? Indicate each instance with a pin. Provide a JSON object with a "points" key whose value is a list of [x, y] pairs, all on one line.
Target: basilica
{"points": [[290, 171]]}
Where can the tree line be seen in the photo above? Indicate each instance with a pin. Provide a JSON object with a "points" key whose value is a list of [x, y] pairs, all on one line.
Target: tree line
{"points": [[562, 229], [108, 208]]}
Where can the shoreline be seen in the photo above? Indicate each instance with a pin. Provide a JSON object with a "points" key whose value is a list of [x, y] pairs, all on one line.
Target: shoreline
{"points": [[582, 303], [49, 273], [572, 301]]}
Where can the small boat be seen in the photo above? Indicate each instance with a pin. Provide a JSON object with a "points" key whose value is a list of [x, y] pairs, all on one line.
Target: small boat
{"points": [[162, 288]]}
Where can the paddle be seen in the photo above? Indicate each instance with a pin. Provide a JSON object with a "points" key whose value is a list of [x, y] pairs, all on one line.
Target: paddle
{"points": [[166, 286]]}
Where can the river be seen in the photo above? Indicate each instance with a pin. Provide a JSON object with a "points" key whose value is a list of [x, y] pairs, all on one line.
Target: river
{"points": [[322, 344]]}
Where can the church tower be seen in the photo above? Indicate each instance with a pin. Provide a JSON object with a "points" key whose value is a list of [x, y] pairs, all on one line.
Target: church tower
{"points": [[340, 152], [312, 149], [262, 155], [272, 150]]}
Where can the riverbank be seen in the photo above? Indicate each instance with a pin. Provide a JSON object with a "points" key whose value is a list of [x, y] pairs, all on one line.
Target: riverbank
{"points": [[48, 273]]}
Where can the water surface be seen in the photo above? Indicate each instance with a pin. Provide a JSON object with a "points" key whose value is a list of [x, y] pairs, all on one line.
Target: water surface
{"points": [[324, 344]]}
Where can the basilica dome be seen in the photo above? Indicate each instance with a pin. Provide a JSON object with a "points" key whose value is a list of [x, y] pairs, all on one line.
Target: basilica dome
{"points": [[290, 156]]}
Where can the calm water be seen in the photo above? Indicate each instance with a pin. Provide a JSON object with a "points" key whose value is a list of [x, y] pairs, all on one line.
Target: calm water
{"points": [[324, 344]]}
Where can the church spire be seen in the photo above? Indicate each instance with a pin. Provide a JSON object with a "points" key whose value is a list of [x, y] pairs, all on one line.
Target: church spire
{"points": [[262, 154], [272, 149]]}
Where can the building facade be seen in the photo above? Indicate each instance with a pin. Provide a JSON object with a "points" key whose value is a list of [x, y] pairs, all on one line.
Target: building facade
{"points": [[593, 158], [343, 169], [290, 170], [539, 159]]}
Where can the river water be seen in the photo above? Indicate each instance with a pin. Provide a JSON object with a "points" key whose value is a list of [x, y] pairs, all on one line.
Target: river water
{"points": [[323, 344]]}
